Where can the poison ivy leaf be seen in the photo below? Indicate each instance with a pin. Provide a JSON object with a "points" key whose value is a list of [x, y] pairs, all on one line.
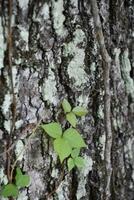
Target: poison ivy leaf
{"points": [[74, 138], [75, 153], [21, 180], [62, 147], [79, 111], [10, 190], [53, 129], [70, 164], [66, 106], [71, 118], [79, 162]]}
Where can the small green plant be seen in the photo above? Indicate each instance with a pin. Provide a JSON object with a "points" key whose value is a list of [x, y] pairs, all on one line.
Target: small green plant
{"points": [[12, 189], [68, 143]]}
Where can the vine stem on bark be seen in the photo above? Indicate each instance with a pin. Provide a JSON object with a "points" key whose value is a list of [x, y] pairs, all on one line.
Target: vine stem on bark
{"points": [[107, 98], [13, 105]]}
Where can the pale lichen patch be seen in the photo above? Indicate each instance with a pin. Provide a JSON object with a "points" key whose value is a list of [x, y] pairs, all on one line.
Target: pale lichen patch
{"points": [[24, 35], [6, 104], [83, 100], [117, 52], [5, 110], [23, 4], [18, 124], [45, 11], [58, 17], [7, 125], [62, 190], [23, 195], [93, 67], [81, 191], [101, 112], [126, 68], [31, 115], [117, 69], [76, 66], [74, 3], [49, 88], [3, 177], [133, 174], [15, 78], [54, 173], [37, 184], [129, 149], [2, 45], [18, 61], [19, 150]]}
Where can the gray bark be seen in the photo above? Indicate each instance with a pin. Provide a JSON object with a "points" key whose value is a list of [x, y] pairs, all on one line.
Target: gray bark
{"points": [[56, 55]]}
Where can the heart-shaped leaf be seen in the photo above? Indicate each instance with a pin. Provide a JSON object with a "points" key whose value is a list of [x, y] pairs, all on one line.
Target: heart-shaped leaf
{"points": [[21, 180], [74, 138], [70, 164], [62, 147], [53, 129], [79, 111], [10, 190], [71, 118], [66, 106]]}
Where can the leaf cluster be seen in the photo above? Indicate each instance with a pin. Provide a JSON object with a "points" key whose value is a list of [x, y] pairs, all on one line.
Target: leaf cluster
{"points": [[72, 113], [67, 144], [12, 189]]}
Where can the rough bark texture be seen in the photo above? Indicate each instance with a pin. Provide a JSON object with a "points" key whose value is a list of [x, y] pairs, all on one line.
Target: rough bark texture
{"points": [[56, 55]]}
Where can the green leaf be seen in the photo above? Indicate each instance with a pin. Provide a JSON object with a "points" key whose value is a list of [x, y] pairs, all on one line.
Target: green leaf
{"points": [[79, 111], [79, 162], [62, 147], [71, 118], [53, 129], [21, 180], [70, 164], [74, 138], [66, 106], [75, 153], [10, 190]]}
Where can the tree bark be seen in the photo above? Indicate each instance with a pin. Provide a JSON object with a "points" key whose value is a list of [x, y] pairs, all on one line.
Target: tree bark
{"points": [[55, 54]]}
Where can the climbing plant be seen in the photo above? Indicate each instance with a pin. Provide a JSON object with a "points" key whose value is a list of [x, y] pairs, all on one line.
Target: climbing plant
{"points": [[68, 143], [12, 189]]}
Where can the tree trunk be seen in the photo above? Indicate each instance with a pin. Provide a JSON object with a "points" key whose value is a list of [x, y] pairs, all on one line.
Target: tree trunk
{"points": [[55, 54]]}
